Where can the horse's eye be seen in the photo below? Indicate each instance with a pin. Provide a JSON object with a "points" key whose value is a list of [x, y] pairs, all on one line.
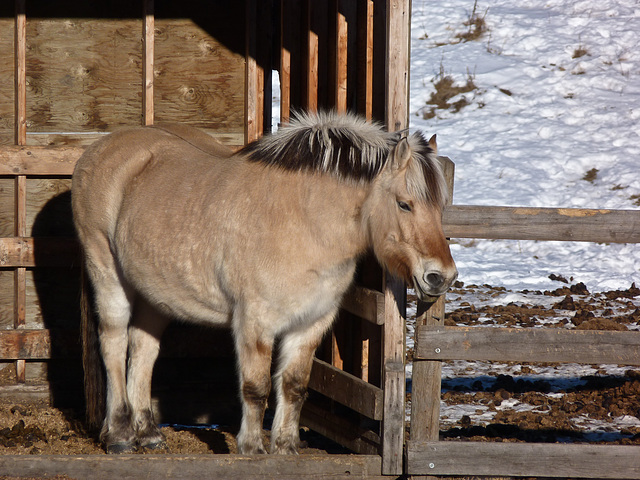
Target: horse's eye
{"points": [[405, 207]]}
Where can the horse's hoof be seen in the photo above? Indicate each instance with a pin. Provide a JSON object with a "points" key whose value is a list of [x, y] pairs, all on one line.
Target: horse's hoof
{"points": [[120, 448], [155, 446]]}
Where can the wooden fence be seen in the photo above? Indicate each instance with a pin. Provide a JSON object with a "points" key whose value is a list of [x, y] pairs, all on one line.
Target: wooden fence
{"points": [[434, 343]]}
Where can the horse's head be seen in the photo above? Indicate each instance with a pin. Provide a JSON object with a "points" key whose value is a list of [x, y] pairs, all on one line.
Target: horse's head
{"points": [[403, 217]]}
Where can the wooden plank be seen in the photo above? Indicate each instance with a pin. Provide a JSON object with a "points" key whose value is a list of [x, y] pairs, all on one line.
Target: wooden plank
{"points": [[394, 376], [38, 252], [365, 303], [20, 59], [365, 58], [397, 64], [311, 60], [193, 467], [200, 65], [354, 437], [45, 161], [254, 91], [148, 35], [523, 459], [84, 72], [341, 57], [530, 344], [346, 389], [520, 223]]}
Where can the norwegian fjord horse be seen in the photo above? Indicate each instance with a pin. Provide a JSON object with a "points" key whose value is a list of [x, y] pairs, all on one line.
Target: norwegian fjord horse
{"points": [[265, 240]]}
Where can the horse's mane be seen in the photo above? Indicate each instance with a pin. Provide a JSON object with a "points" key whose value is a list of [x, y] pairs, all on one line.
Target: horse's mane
{"points": [[348, 146]]}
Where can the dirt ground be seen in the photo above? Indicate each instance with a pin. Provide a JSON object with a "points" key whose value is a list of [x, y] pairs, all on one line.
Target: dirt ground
{"points": [[39, 429]]}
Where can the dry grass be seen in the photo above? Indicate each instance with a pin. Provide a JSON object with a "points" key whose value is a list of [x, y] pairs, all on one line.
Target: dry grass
{"points": [[591, 175], [446, 89], [476, 26], [581, 51]]}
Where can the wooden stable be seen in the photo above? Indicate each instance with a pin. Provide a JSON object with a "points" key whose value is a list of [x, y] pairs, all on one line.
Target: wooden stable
{"points": [[83, 69]]}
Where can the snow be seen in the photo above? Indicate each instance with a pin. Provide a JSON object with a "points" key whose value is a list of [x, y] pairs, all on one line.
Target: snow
{"points": [[538, 122]]}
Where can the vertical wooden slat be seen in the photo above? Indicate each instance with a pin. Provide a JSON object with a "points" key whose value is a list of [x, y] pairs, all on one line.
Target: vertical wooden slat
{"points": [[397, 65], [365, 58], [148, 63], [285, 67], [313, 51], [341, 51], [397, 118], [394, 376], [20, 202], [254, 77]]}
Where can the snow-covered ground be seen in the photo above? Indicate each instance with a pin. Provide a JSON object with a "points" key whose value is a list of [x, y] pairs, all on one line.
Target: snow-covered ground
{"points": [[539, 120], [558, 95]]}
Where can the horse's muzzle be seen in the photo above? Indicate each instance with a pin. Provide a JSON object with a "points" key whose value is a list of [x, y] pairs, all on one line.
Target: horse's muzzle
{"points": [[433, 284]]}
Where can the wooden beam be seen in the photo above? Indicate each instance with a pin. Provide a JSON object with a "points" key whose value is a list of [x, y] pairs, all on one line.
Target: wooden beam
{"points": [[346, 389], [311, 60], [532, 345], [396, 118], [148, 62], [341, 430], [26, 252], [341, 57], [523, 460], [193, 467], [365, 58], [524, 223], [45, 161], [20, 65], [365, 303]]}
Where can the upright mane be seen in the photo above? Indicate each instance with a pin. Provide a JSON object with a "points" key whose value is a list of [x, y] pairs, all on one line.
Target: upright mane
{"points": [[349, 147]]}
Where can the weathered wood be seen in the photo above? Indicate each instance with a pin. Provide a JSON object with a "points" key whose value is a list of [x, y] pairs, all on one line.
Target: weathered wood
{"points": [[38, 251], [341, 55], [254, 90], [534, 345], [365, 303], [347, 389], [148, 35], [365, 58], [193, 467], [520, 223], [200, 65], [84, 73], [311, 60], [394, 376], [44, 161], [354, 437], [522, 459], [20, 59]]}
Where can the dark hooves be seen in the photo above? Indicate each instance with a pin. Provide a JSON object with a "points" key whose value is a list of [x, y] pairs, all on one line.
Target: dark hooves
{"points": [[120, 448], [155, 446]]}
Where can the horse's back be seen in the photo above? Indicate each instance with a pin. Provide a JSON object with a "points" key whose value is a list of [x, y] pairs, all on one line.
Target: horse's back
{"points": [[109, 166]]}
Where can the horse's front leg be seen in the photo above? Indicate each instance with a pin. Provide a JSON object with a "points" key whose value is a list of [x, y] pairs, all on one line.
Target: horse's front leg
{"points": [[254, 365], [297, 350]]}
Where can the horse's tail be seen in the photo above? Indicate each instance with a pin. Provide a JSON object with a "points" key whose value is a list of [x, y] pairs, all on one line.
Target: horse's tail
{"points": [[94, 377]]}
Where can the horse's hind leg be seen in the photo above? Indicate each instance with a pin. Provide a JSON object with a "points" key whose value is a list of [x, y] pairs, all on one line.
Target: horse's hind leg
{"points": [[113, 302], [297, 350], [145, 332]]}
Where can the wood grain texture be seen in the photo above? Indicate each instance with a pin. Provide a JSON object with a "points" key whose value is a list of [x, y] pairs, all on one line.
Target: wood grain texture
{"points": [[7, 88], [365, 303], [521, 459], [83, 74], [194, 467], [347, 389], [520, 223], [532, 345]]}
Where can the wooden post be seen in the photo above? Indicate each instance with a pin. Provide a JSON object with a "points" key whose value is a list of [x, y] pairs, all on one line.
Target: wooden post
{"points": [[148, 62], [397, 118], [427, 375], [254, 89], [20, 203]]}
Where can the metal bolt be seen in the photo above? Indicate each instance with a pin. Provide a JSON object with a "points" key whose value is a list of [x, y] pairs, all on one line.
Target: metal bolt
{"points": [[432, 465], [437, 350]]}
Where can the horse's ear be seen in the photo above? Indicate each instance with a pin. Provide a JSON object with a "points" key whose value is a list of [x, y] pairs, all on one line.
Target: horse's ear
{"points": [[401, 154], [433, 144]]}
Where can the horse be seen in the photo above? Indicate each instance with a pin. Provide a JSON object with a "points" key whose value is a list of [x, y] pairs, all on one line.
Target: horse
{"points": [[265, 240]]}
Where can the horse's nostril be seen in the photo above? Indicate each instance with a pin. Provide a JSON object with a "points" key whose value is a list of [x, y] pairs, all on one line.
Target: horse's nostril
{"points": [[435, 280]]}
